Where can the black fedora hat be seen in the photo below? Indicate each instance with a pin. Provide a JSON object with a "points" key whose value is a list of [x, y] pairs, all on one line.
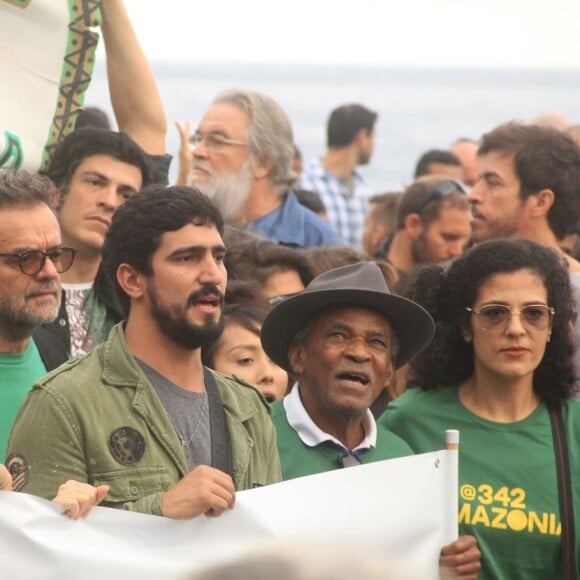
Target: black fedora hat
{"points": [[361, 285]]}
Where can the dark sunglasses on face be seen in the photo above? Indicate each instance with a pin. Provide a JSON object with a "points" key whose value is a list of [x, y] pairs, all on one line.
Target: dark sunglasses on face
{"points": [[31, 262]]}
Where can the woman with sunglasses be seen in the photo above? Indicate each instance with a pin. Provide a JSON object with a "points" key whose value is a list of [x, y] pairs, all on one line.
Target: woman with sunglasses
{"points": [[500, 371]]}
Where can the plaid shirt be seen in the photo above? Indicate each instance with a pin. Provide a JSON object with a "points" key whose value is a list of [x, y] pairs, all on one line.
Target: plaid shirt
{"points": [[345, 211]]}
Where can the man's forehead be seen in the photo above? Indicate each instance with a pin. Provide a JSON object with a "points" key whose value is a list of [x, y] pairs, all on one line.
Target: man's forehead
{"points": [[224, 117], [497, 161], [350, 315], [191, 234], [24, 227], [111, 168]]}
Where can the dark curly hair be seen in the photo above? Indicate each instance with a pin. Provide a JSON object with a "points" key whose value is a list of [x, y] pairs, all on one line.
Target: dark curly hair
{"points": [[446, 294]]}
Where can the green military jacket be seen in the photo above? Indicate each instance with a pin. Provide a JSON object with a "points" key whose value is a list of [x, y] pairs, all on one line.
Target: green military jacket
{"points": [[99, 420]]}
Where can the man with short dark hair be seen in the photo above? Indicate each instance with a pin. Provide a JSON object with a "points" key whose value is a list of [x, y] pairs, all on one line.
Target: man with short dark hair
{"points": [[439, 162], [350, 140], [432, 223], [528, 187], [95, 171], [140, 412], [31, 258], [342, 338]]}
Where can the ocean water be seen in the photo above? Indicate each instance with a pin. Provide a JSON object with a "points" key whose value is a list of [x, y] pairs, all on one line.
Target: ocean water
{"points": [[419, 109]]}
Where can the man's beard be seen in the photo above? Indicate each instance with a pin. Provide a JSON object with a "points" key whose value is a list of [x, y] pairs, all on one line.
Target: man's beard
{"points": [[18, 319], [174, 324], [420, 252], [229, 191], [491, 229]]}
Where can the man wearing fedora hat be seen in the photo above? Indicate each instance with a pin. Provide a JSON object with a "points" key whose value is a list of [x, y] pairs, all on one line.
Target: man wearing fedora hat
{"points": [[343, 337]]}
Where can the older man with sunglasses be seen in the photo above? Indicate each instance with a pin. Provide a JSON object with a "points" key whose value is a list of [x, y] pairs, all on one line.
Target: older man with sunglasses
{"points": [[433, 223], [31, 258]]}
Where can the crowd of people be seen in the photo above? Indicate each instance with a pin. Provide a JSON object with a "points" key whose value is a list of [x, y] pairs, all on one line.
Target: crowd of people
{"points": [[164, 346]]}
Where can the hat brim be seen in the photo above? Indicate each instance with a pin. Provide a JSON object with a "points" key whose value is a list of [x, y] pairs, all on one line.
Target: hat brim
{"points": [[413, 325]]}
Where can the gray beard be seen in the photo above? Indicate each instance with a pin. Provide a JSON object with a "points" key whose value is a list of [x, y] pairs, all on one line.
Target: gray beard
{"points": [[229, 191], [17, 321]]}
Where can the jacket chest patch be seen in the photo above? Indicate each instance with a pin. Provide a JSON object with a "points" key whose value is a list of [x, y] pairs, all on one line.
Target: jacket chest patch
{"points": [[126, 445], [18, 468]]}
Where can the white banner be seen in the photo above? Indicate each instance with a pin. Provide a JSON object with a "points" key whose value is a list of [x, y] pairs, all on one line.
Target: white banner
{"points": [[46, 60], [406, 507]]}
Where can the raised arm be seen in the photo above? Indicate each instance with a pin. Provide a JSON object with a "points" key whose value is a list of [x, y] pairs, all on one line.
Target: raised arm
{"points": [[134, 94]]}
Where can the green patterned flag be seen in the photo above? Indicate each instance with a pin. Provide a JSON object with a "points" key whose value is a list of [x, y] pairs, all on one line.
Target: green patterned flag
{"points": [[47, 50]]}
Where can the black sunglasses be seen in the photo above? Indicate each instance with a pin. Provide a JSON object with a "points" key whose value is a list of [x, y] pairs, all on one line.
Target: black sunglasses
{"points": [[441, 190]]}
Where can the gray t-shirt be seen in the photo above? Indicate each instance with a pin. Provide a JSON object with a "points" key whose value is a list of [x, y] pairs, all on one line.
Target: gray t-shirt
{"points": [[189, 414]]}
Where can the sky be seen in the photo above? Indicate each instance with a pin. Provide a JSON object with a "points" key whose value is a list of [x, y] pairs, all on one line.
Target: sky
{"points": [[432, 33]]}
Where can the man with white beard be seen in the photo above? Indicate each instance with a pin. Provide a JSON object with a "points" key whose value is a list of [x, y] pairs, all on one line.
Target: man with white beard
{"points": [[241, 157]]}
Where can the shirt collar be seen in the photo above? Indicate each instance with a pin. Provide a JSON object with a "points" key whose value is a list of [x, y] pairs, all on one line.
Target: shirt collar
{"points": [[311, 434]]}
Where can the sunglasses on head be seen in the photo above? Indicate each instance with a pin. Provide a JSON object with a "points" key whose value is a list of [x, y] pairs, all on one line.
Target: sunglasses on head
{"points": [[441, 190]]}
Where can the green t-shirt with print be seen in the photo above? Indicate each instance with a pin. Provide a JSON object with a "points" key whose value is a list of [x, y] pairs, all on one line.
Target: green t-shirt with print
{"points": [[508, 487]]}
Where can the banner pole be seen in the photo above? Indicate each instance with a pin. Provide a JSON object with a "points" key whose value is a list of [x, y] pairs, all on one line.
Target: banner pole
{"points": [[452, 444]]}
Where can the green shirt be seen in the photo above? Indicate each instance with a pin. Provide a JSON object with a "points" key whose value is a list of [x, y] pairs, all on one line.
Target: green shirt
{"points": [[18, 372], [508, 490], [298, 459]]}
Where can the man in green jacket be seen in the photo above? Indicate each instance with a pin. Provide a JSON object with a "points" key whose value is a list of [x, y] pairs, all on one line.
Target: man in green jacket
{"points": [[140, 413]]}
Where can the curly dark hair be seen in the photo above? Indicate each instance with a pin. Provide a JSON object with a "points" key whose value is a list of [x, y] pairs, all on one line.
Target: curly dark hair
{"points": [[449, 359]]}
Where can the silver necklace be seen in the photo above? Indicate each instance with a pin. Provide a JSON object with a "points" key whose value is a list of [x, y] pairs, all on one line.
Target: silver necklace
{"points": [[202, 412]]}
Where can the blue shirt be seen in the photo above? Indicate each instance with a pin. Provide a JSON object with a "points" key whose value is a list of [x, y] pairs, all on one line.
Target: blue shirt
{"points": [[345, 209], [292, 224]]}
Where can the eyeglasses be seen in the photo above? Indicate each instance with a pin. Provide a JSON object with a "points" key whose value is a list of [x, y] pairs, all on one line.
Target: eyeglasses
{"points": [[495, 317], [441, 190], [214, 141], [31, 262]]}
